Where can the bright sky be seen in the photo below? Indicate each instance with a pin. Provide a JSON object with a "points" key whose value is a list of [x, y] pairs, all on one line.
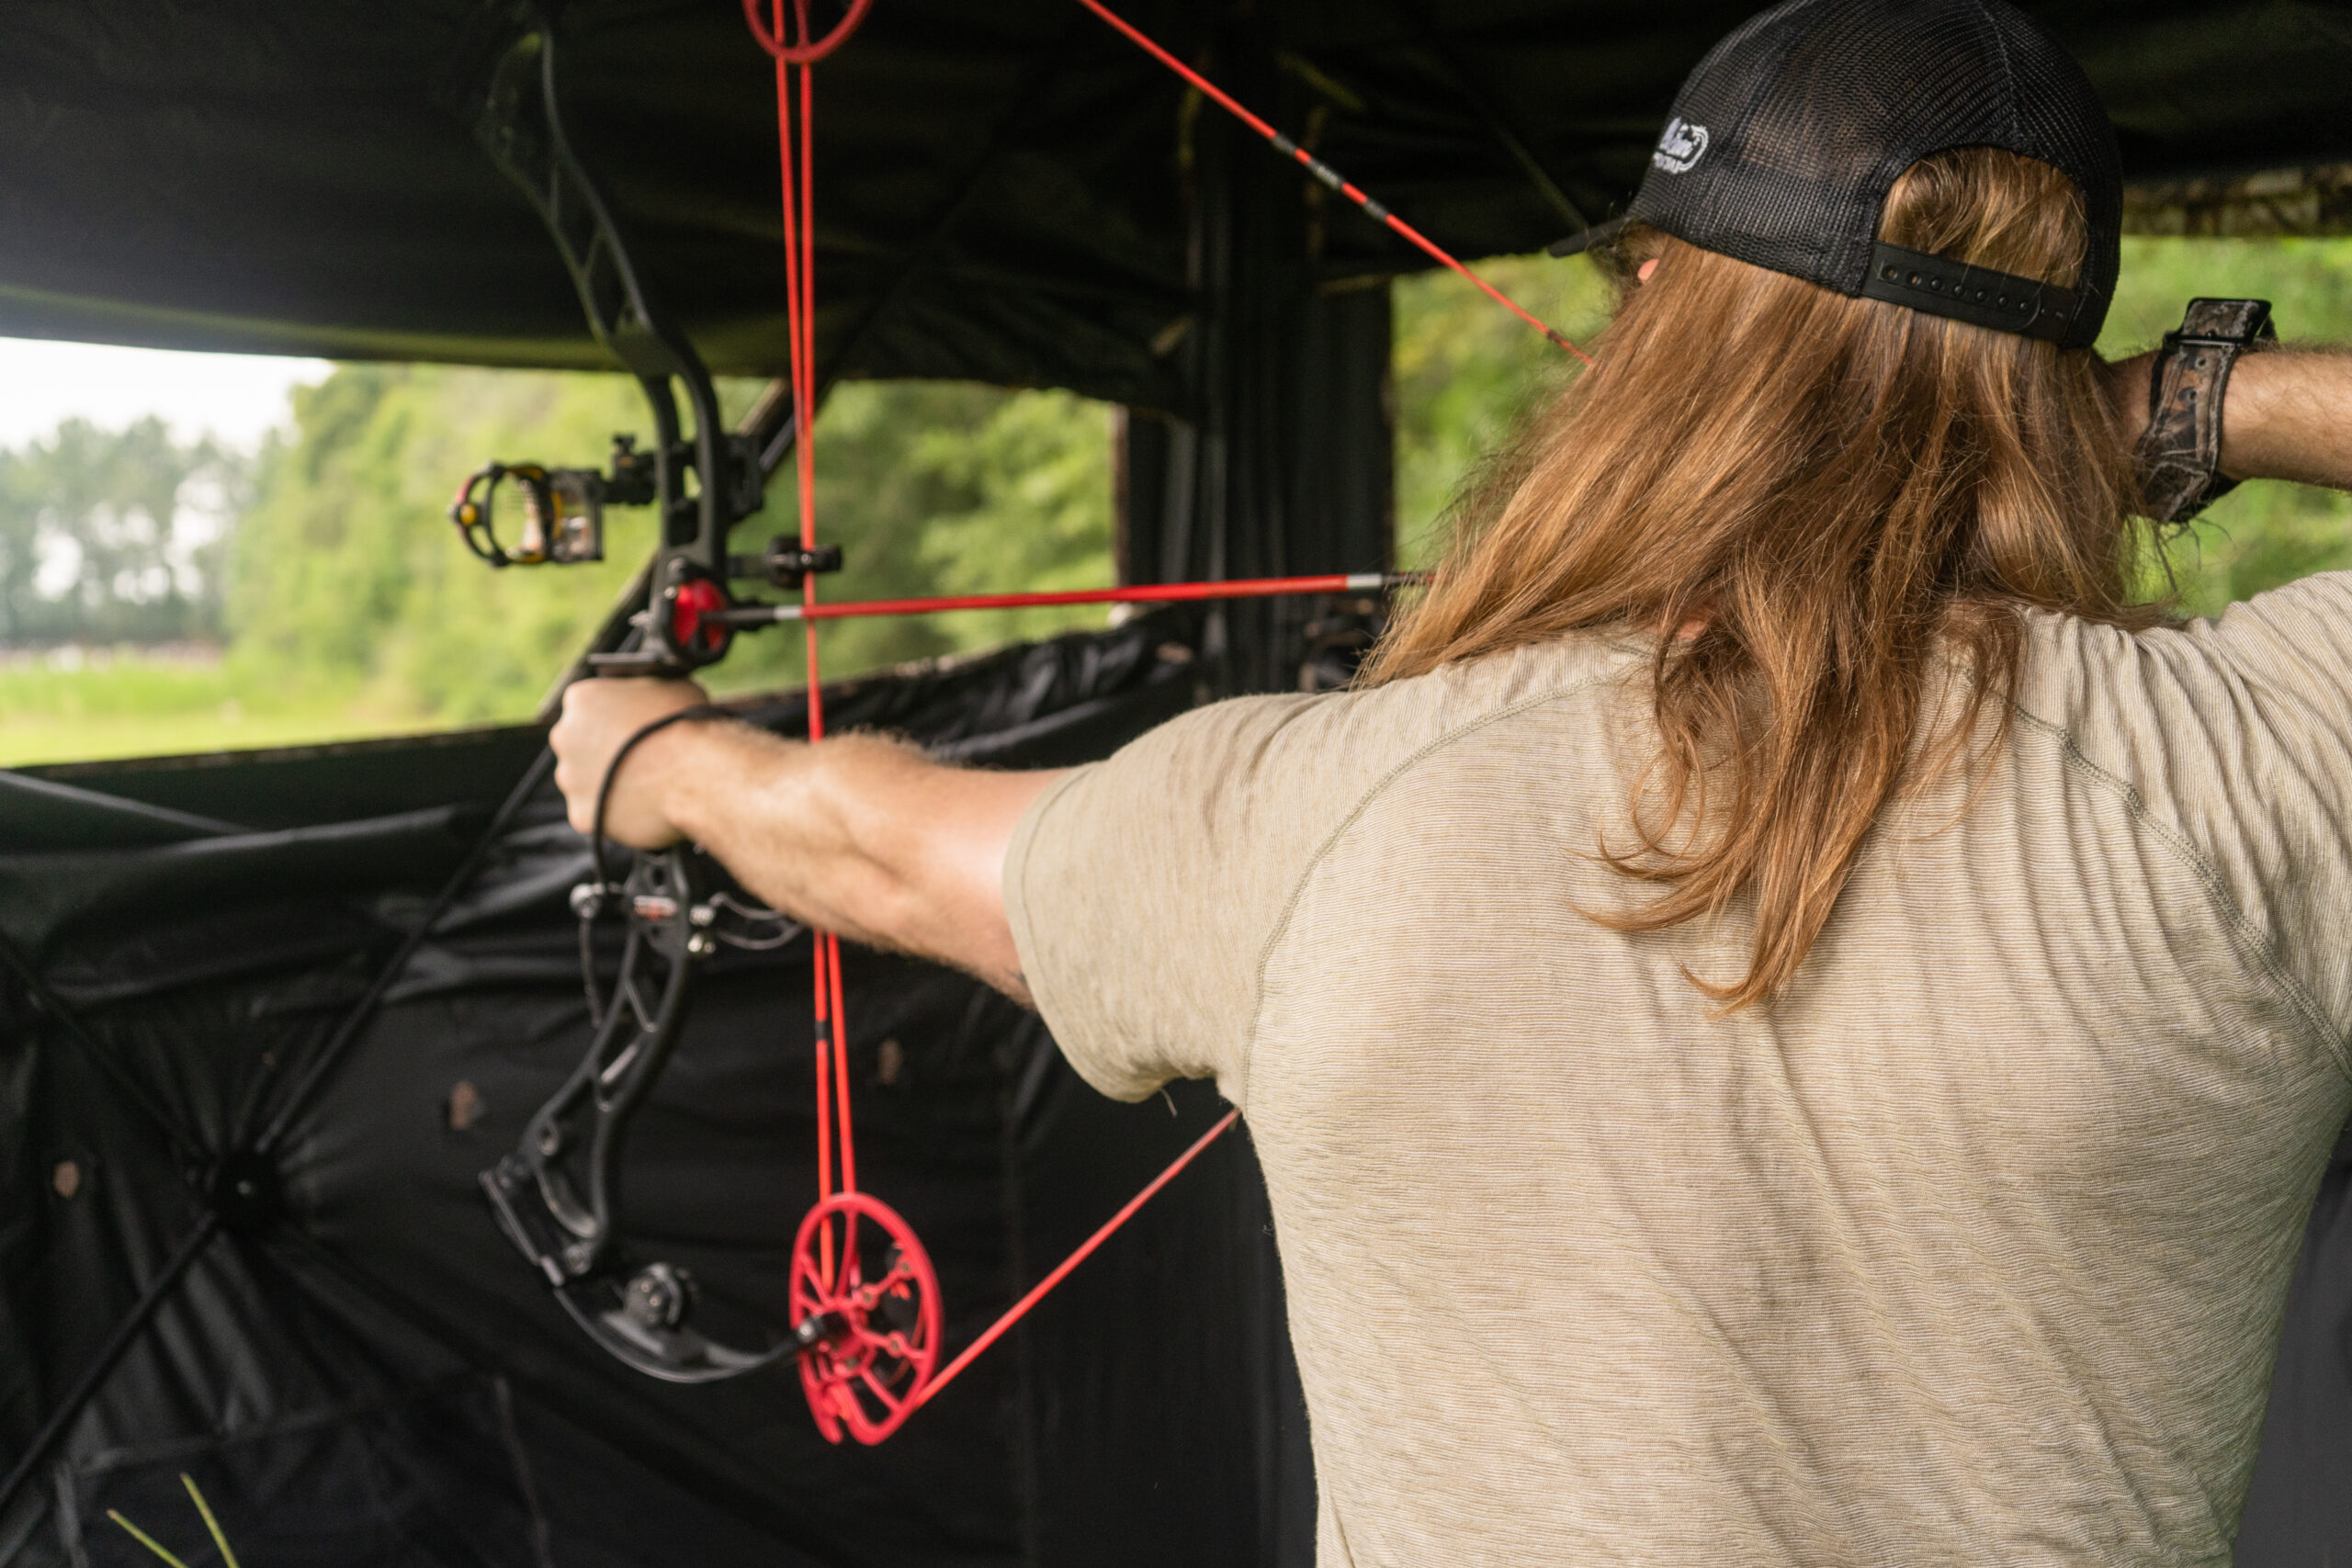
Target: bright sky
{"points": [[237, 397]]}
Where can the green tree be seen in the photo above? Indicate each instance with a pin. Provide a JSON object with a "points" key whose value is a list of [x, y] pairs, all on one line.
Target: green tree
{"points": [[346, 573], [113, 503], [20, 609], [945, 488], [1467, 372]]}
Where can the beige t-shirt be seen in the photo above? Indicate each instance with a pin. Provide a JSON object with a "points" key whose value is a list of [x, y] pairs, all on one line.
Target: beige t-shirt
{"points": [[1972, 1250]]}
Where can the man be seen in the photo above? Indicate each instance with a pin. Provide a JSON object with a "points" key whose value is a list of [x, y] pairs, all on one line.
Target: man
{"points": [[1787, 1020]]}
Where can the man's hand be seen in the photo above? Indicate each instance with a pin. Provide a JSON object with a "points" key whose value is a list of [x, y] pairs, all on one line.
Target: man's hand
{"points": [[598, 716]]}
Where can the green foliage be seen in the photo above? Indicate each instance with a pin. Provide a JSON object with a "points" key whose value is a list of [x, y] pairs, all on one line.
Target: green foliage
{"points": [[68, 704], [353, 608], [345, 569], [116, 505], [346, 566], [2270, 532], [2309, 282], [941, 488], [1467, 372], [34, 688]]}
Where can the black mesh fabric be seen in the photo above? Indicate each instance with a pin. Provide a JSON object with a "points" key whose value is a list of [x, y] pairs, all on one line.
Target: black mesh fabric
{"points": [[1784, 140]]}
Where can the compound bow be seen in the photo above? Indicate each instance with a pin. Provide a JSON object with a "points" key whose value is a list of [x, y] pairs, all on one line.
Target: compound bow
{"points": [[555, 1195], [863, 1303]]}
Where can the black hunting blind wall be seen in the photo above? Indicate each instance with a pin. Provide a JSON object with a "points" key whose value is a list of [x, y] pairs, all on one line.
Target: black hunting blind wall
{"points": [[329, 1333], [353, 1363]]}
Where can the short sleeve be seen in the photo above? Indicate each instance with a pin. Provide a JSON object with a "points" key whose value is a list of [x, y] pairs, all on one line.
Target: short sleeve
{"points": [[1142, 890], [2290, 652], [2239, 732]]}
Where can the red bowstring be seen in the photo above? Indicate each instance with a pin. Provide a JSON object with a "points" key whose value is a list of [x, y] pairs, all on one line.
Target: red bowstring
{"points": [[1020, 1309]]}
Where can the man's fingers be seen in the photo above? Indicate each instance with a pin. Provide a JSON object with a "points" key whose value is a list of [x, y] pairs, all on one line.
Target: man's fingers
{"points": [[579, 805], [598, 717]]}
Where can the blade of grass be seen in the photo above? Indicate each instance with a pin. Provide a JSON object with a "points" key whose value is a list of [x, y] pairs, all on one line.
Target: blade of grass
{"points": [[143, 1538], [227, 1556]]}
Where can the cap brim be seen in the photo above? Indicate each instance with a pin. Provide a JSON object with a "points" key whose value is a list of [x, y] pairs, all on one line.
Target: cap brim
{"points": [[1576, 244]]}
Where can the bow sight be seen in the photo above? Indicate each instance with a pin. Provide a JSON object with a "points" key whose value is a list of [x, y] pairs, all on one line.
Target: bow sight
{"points": [[564, 524], [563, 509]]}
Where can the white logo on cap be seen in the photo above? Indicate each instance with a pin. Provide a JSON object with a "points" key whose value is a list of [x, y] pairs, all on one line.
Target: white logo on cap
{"points": [[1680, 147]]}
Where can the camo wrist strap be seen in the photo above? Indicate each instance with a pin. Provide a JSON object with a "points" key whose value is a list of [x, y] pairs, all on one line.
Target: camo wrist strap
{"points": [[2179, 454]]}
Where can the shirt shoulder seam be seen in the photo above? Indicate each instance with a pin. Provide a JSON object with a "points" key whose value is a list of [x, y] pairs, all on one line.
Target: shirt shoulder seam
{"points": [[1379, 787], [2261, 954], [1024, 836], [2256, 950]]}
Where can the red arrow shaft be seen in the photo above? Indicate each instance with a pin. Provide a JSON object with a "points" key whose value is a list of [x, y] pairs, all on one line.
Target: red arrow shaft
{"points": [[1325, 172]]}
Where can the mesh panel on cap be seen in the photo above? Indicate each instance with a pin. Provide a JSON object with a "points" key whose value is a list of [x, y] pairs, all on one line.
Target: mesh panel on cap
{"points": [[1788, 135]]}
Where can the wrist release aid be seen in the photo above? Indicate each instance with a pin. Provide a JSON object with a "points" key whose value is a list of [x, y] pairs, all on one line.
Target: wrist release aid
{"points": [[2179, 454]]}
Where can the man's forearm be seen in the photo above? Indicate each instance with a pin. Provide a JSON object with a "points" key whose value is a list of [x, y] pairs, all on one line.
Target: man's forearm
{"points": [[2288, 416], [860, 836], [778, 813]]}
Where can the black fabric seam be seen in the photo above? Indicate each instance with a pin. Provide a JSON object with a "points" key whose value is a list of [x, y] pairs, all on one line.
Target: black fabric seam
{"points": [[2009, 71]]}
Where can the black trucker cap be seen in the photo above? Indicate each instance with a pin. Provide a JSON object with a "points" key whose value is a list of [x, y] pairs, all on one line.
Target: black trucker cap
{"points": [[1784, 141]]}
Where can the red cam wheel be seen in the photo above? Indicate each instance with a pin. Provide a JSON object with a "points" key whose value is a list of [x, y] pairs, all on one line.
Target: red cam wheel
{"points": [[809, 51], [859, 1274]]}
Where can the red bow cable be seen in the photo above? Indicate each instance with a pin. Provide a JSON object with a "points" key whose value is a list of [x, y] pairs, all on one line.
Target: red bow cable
{"points": [[859, 1273]]}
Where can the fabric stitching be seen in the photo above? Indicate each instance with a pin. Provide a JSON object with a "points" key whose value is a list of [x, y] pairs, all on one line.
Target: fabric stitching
{"points": [[1355, 814], [2251, 944], [1026, 832], [2008, 69], [2262, 954]]}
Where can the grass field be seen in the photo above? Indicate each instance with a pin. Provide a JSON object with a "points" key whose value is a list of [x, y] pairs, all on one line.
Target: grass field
{"points": [[125, 703]]}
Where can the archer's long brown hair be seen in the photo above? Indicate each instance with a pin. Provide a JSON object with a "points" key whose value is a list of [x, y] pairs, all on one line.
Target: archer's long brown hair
{"points": [[1810, 503]]}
